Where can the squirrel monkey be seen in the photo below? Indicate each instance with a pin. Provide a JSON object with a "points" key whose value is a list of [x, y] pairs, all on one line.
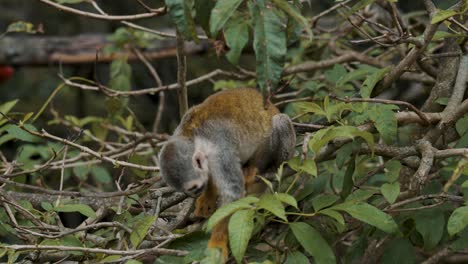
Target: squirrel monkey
{"points": [[219, 147]]}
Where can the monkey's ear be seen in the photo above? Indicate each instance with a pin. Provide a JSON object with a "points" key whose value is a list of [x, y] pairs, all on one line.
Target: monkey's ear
{"points": [[200, 161]]}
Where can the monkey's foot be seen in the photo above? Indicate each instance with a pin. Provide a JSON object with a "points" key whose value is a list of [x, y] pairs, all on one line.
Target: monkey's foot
{"points": [[219, 239], [205, 206]]}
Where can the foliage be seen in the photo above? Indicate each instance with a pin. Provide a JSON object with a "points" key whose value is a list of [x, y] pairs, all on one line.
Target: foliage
{"points": [[363, 181]]}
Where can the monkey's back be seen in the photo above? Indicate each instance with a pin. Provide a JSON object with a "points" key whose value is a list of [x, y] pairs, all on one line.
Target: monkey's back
{"points": [[242, 108]]}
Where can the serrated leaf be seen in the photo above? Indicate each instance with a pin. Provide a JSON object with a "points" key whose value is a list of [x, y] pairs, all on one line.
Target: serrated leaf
{"points": [[371, 81], [272, 204], [385, 122], [309, 107], [369, 214], [269, 43], [442, 15], [311, 240], [462, 125], [140, 229], [343, 154], [181, 14], [287, 199], [458, 220], [308, 165], [221, 13], [236, 35], [228, 209], [390, 191], [393, 170], [321, 139], [323, 201], [83, 209], [240, 230]]}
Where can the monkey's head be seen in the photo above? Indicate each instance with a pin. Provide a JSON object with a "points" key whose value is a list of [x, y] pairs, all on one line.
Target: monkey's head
{"points": [[182, 168]]}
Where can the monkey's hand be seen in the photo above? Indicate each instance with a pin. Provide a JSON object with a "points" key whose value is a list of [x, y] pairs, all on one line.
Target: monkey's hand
{"points": [[205, 205]]}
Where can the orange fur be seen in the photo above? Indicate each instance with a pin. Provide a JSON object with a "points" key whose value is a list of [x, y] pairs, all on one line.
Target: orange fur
{"points": [[244, 107]]}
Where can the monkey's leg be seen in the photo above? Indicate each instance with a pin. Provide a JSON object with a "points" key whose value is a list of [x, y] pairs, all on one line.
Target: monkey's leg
{"points": [[253, 185], [219, 238], [283, 139], [205, 205], [229, 180]]}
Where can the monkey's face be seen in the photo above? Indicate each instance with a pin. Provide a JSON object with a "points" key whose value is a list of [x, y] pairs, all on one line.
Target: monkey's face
{"points": [[181, 168]]}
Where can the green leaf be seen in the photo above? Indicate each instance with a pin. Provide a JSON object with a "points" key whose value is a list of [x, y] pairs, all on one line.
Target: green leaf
{"points": [[83, 209], [390, 191], [295, 14], [458, 220], [228, 209], [321, 139], [323, 201], [269, 43], [101, 174], [369, 214], [371, 81], [461, 125], [132, 261], [47, 206], [309, 107], [334, 214], [430, 224], [6, 107], [399, 251], [393, 170], [311, 240], [287, 199], [120, 75], [236, 35], [140, 229], [385, 121], [240, 230], [203, 10], [70, 1], [348, 182], [308, 165], [21, 134], [343, 154], [335, 74], [272, 204], [21, 26], [181, 14], [296, 257], [441, 15], [221, 13], [358, 74]]}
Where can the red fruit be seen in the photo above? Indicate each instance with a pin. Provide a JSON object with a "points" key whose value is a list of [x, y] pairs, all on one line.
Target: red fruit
{"points": [[6, 72]]}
